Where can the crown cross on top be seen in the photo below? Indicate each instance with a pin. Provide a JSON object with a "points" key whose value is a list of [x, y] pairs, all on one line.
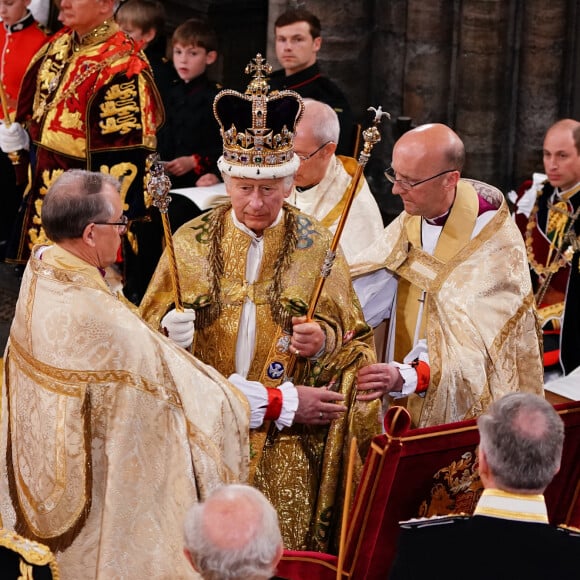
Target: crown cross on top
{"points": [[259, 67]]}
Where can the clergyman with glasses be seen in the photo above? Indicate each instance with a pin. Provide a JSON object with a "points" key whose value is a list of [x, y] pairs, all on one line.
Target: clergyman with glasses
{"points": [[98, 459], [450, 273], [323, 178]]}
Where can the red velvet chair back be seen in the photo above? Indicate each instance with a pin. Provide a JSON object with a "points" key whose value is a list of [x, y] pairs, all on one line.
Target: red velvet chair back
{"points": [[412, 473]]}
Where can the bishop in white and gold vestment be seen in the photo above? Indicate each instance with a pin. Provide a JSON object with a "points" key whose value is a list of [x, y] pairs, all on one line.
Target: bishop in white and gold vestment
{"points": [[109, 430], [468, 298]]}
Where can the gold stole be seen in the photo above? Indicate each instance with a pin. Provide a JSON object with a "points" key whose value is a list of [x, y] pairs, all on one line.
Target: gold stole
{"points": [[350, 166], [455, 235]]}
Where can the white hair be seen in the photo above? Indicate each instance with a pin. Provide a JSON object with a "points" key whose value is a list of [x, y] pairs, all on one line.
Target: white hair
{"points": [[322, 120], [256, 557]]}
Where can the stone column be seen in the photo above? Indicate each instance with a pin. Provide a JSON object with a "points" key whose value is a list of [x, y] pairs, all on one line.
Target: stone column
{"points": [[428, 81], [541, 83], [482, 97]]}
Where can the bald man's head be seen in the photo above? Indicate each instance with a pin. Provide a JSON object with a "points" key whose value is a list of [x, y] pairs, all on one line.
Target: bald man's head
{"points": [[234, 534], [427, 163], [437, 143]]}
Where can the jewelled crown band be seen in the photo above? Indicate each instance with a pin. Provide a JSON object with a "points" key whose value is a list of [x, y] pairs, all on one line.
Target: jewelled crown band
{"points": [[258, 128]]}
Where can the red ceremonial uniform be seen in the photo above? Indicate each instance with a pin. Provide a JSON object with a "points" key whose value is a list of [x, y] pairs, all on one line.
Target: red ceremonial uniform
{"points": [[91, 103], [18, 43]]}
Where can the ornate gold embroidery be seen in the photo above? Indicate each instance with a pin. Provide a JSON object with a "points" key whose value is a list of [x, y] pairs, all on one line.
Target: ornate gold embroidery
{"points": [[50, 73], [71, 120], [214, 230], [25, 571], [119, 109], [558, 216], [551, 267], [126, 174], [552, 313], [35, 553], [41, 98], [36, 233], [456, 488]]}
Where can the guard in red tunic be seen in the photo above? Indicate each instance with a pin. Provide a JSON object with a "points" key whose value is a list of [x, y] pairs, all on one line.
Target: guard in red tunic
{"points": [[89, 101], [20, 38]]}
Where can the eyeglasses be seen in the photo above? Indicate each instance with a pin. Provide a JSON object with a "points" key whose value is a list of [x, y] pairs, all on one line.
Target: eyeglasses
{"points": [[121, 225], [307, 157], [406, 185]]}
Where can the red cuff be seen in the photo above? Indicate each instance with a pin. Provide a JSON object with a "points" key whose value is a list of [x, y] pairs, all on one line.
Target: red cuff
{"points": [[274, 407], [423, 375]]}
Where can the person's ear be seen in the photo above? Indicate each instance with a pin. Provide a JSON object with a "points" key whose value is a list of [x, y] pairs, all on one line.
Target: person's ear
{"points": [[148, 36], [484, 473], [279, 553], [107, 7], [189, 558], [330, 149], [211, 57], [89, 235], [453, 178], [317, 44]]}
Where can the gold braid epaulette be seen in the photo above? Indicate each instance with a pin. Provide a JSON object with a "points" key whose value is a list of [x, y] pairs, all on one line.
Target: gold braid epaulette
{"points": [[34, 553], [214, 233]]}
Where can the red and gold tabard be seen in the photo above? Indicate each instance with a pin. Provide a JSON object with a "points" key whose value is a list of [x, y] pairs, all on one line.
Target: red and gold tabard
{"points": [[18, 44], [88, 103]]}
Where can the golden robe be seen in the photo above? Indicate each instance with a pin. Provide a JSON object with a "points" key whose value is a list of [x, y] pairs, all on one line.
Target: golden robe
{"points": [[300, 469], [109, 431], [480, 320]]}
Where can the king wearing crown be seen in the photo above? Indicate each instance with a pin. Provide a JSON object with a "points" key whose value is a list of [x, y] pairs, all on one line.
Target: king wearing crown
{"points": [[248, 269]]}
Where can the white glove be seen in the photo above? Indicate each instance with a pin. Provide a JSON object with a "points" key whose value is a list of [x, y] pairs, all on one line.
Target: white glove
{"points": [[13, 138], [178, 326], [257, 396]]}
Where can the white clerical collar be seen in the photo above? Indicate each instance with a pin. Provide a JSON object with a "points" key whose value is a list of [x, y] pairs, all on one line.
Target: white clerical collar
{"points": [[496, 503], [251, 233]]}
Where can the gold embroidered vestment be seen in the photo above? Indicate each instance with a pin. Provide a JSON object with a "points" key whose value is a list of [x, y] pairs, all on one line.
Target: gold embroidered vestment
{"points": [[301, 469], [109, 430]]}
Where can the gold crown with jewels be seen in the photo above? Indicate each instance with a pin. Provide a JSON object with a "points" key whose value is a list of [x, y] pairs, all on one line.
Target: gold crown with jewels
{"points": [[258, 128]]}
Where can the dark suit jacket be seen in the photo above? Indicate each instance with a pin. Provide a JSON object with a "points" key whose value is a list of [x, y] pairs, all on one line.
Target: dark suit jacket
{"points": [[482, 547], [570, 332], [310, 83]]}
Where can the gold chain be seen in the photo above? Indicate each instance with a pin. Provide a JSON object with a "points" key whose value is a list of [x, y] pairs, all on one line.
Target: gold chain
{"points": [[540, 269], [79, 80]]}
